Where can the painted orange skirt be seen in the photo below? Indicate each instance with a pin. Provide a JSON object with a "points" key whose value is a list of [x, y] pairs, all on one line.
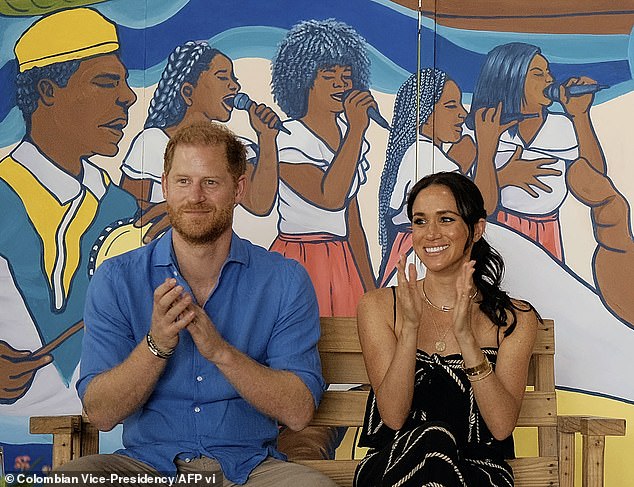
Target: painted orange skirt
{"points": [[541, 229], [402, 245], [331, 267]]}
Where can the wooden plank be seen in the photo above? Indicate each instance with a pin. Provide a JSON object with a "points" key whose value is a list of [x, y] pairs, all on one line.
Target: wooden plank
{"points": [[544, 340], [55, 424], [63, 448], [592, 425], [566, 459], [538, 409], [341, 408], [343, 368], [592, 457], [346, 408], [89, 438], [535, 471], [339, 335]]}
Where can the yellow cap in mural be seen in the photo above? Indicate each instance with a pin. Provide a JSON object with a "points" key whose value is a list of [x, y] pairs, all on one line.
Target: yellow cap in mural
{"points": [[66, 35]]}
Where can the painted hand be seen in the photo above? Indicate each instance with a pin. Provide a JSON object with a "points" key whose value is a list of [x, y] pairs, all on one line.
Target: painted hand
{"points": [[525, 173], [263, 119], [576, 105], [356, 106], [157, 214], [17, 370]]}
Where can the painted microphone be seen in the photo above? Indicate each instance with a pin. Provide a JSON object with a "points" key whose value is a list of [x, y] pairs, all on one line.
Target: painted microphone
{"points": [[516, 117], [242, 102], [373, 113], [552, 92]]}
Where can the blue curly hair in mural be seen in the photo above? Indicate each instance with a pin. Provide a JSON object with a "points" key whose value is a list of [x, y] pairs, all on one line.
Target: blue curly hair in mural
{"points": [[184, 65], [27, 94], [403, 135], [308, 47], [502, 79]]}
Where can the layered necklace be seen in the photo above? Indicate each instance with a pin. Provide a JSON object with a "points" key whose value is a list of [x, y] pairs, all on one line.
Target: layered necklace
{"points": [[440, 344]]}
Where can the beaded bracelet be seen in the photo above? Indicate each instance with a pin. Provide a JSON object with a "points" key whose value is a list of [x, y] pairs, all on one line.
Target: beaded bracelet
{"points": [[156, 350], [480, 371]]}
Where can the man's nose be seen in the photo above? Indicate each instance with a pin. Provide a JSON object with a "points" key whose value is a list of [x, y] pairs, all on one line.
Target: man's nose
{"points": [[196, 193]]}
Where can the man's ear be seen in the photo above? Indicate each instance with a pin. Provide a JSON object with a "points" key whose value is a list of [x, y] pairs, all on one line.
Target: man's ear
{"points": [[46, 89], [164, 185], [241, 189]]}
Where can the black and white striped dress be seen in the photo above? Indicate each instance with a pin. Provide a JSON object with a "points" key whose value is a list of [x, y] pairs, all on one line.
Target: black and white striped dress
{"points": [[444, 441]]}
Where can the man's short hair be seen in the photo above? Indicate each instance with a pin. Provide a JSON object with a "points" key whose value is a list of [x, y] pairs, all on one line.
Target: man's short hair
{"points": [[209, 134]]}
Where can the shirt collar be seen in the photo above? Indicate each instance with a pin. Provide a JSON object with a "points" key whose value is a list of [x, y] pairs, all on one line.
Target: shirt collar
{"points": [[59, 183], [164, 254]]}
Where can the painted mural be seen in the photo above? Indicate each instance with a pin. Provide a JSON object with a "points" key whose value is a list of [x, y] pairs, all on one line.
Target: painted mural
{"points": [[340, 116]]}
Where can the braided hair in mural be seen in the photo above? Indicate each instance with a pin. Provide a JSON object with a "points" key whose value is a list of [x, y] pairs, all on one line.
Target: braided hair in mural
{"points": [[403, 136], [184, 64]]}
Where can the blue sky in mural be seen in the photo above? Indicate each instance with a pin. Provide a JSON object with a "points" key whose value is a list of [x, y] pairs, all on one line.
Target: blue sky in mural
{"points": [[251, 28]]}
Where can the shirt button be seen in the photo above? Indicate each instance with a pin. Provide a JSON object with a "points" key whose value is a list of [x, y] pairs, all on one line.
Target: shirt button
{"points": [[199, 378], [175, 274], [187, 460], [196, 409]]}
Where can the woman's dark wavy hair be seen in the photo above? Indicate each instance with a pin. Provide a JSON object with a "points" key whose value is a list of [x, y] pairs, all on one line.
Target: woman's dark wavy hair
{"points": [[489, 266]]}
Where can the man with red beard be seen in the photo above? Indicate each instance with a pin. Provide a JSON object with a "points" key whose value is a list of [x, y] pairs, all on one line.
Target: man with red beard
{"points": [[201, 342]]}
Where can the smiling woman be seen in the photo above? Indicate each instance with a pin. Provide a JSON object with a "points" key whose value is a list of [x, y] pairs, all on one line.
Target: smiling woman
{"points": [[433, 101], [447, 356]]}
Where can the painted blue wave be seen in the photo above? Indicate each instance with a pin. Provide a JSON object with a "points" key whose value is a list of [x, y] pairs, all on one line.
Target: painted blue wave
{"points": [[252, 28]]}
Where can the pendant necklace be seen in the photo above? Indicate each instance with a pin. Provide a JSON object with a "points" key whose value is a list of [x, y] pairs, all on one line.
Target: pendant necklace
{"points": [[440, 344]]}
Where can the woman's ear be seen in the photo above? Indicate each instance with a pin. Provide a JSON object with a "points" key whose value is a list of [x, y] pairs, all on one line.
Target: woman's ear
{"points": [[478, 229], [187, 90]]}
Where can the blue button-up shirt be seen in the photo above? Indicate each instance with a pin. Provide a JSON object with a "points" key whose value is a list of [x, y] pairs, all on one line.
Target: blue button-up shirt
{"points": [[263, 304]]}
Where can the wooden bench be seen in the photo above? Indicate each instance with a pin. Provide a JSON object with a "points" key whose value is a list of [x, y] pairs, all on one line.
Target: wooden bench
{"points": [[342, 362]]}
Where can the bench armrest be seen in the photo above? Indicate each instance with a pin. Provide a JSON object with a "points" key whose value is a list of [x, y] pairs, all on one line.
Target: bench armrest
{"points": [[593, 431], [73, 436]]}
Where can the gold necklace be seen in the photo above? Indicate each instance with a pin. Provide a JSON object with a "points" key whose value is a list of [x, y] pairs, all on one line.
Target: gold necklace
{"points": [[440, 345], [444, 309]]}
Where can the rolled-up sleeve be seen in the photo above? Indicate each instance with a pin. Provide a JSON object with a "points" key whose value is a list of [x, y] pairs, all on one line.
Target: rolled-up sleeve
{"points": [[293, 343]]}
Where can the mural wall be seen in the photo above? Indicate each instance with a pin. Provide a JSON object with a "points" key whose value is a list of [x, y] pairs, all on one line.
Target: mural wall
{"points": [[340, 116]]}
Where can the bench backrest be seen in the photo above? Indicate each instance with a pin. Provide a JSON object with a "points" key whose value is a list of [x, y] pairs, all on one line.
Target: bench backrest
{"points": [[342, 362]]}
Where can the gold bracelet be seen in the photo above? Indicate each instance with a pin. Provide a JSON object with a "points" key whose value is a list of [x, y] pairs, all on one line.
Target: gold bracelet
{"points": [[482, 367], [481, 376], [156, 350]]}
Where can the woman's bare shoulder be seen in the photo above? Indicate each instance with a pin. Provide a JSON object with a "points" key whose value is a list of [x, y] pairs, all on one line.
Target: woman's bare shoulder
{"points": [[526, 317]]}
